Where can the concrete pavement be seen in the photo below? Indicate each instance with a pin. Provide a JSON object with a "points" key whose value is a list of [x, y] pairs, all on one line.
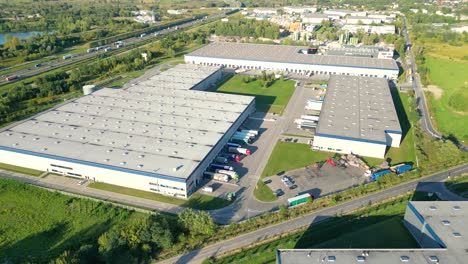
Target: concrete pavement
{"points": [[197, 256]]}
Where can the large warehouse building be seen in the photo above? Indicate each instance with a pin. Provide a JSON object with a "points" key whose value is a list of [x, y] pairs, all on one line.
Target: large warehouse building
{"points": [[357, 116], [289, 59], [439, 228], [159, 135]]}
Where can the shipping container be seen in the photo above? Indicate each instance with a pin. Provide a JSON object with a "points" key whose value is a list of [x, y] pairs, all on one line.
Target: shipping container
{"points": [[401, 168], [379, 174], [255, 132], [299, 199]]}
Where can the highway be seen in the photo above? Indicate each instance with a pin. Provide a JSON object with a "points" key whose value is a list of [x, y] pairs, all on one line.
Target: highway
{"points": [[135, 41], [430, 182]]}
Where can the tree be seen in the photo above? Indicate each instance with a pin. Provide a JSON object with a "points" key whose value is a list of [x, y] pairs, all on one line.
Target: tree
{"points": [[197, 223], [283, 211]]}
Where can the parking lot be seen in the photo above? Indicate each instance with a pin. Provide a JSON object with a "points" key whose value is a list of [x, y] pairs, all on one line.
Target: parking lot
{"points": [[319, 182], [247, 164]]}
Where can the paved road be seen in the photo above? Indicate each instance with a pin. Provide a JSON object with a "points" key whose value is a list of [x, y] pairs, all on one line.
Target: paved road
{"points": [[426, 123], [246, 206], [197, 256], [54, 64]]}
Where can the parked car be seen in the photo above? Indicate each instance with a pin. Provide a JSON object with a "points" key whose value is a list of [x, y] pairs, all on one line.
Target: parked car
{"points": [[267, 181], [81, 182], [286, 178], [280, 173], [292, 187], [279, 192]]}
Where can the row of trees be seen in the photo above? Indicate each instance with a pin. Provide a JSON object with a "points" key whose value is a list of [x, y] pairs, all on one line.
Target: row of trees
{"points": [[141, 239], [247, 28]]}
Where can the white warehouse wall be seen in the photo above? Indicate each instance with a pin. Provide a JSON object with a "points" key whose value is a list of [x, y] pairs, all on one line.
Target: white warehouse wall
{"points": [[293, 67], [110, 176], [393, 139], [198, 172], [368, 149]]}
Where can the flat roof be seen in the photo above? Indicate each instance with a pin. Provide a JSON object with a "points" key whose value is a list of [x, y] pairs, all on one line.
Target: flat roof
{"points": [[358, 108], [286, 54], [433, 213], [158, 126]]}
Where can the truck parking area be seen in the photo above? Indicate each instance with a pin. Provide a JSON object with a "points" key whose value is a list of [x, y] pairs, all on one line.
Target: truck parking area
{"points": [[318, 182]]}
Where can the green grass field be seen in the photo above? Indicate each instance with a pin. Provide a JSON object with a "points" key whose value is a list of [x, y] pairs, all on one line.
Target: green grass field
{"points": [[272, 99], [22, 170], [263, 193], [37, 225], [288, 156], [458, 185], [378, 226], [196, 201], [451, 110]]}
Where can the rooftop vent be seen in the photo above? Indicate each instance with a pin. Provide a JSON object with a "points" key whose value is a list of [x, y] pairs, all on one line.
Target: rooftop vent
{"points": [[456, 207], [432, 207], [434, 259], [404, 259], [456, 234], [446, 222]]}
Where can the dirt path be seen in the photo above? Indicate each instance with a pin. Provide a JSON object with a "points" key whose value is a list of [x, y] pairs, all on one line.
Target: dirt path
{"points": [[435, 90]]}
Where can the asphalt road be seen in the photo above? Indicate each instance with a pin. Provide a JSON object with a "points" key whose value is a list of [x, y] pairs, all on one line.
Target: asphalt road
{"points": [[55, 64], [246, 206], [197, 256]]}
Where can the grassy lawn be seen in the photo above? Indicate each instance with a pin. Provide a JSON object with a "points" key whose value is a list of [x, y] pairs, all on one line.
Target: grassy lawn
{"points": [[23, 170], [378, 226], [39, 229], [272, 99], [263, 193], [406, 151], [196, 201], [288, 156], [451, 110], [458, 185]]}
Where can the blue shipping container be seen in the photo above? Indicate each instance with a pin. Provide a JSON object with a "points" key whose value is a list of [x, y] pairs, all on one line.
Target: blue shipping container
{"points": [[379, 174], [403, 168]]}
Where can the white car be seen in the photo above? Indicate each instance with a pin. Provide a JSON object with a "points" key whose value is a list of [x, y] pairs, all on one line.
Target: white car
{"points": [[81, 182]]}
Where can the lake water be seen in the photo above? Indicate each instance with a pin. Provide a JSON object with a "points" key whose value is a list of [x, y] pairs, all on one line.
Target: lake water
{"points": [[21, 35]]}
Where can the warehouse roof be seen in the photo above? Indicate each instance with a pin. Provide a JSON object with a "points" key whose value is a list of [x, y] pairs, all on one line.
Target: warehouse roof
{"points": [[358, 108], [445, 218], [286, 54], [158, 126]]}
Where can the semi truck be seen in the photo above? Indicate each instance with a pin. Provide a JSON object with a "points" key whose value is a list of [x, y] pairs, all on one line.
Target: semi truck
{"points": [[222, 167], [244, 151], [299, 199], [248, 140], [247, 134], [234, 145], [221, 160], [255, 132], [217, 176], [379, 174], [232, 174], [91, 50], [68, 56], [230, 156], [242, 141], [401, 168], [11, 77]]}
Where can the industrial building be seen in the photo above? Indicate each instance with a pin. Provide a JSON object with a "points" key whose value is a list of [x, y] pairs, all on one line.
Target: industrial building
{"points": [[357, 116], [354, 20], [439, 228], [315, 18], [293, 59], [159, 135], [385, 29], [362, 51], [343, 12]]}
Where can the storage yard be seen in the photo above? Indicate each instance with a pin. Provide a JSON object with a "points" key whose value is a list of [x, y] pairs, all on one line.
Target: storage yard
{"points": [[160, 135]]}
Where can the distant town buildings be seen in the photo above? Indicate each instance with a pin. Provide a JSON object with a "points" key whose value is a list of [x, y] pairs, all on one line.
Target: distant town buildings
{"points": [[176, 11], [144, 16], [343, 12], [299, 9], [460, 29], [385, 29]]}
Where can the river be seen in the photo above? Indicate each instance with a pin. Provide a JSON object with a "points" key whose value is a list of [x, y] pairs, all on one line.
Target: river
{"points": [[21, 35]]}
